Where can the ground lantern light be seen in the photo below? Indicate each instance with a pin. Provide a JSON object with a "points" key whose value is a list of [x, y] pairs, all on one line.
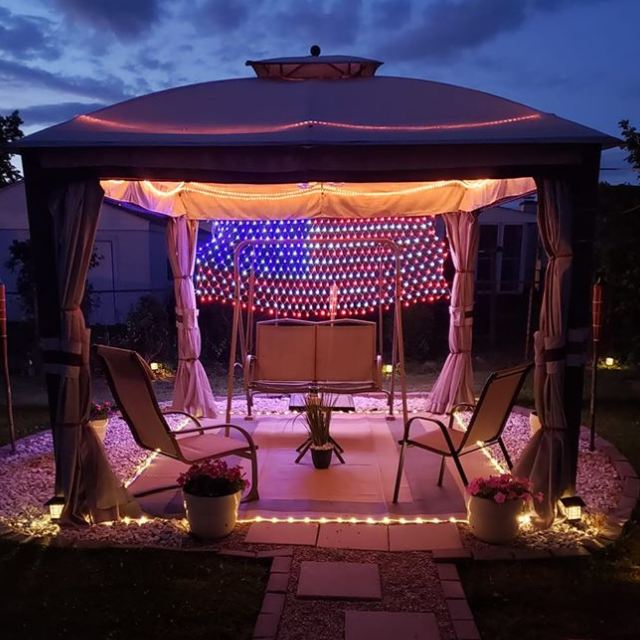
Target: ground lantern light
{"points": [[573, 506], [55, 506]]}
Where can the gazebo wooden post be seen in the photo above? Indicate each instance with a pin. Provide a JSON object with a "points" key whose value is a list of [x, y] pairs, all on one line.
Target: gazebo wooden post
{"points": [[5, 365], [39, 186], [584, 191]]}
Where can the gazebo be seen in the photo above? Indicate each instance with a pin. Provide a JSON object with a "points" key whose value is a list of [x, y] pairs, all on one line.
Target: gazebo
{"points": [[318, 136]]}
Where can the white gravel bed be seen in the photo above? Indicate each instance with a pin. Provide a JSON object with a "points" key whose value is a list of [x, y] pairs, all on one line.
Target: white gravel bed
{"points": [[27, 480]]}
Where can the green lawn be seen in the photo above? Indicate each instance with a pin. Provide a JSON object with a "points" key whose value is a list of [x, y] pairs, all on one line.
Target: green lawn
{"points": [[48, 592], [584, 598]]}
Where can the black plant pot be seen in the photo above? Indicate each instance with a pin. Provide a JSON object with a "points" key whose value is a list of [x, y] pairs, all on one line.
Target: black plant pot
{"points": [[321, 458]]}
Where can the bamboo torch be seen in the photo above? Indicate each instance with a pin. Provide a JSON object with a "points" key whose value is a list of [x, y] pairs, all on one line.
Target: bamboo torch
{"points": [[596, 322], [5, 361]]}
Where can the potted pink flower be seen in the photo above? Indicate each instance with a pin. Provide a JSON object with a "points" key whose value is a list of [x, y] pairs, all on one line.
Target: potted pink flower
{"points": [[99, 418], [494, 506], [212, 491]]}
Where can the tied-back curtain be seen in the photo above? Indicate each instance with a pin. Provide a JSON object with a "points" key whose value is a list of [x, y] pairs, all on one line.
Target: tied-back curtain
{"points": [[455, 382], [83, 474], [546, 460], [192, 391]]}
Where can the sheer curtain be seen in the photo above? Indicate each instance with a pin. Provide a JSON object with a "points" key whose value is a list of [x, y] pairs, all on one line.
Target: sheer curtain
{"points": [[455, 382]]}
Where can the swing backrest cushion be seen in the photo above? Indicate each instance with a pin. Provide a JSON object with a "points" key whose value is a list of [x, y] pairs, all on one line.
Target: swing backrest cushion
{"points": [[285, 353], [346, 353]]}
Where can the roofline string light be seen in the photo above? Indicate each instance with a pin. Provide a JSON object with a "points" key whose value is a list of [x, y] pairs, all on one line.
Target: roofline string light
{"points": [[239, 129], [302, 190]]}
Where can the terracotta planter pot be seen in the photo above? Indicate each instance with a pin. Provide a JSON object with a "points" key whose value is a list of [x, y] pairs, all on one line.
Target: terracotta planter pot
{"points": [[492, 522], [211, 518], [100, 425], [321, 458]]}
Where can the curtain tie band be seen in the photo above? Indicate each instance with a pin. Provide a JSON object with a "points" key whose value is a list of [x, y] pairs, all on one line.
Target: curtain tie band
{"points": [[65, 358], [187, 359], [461, 351], [188, 277]]}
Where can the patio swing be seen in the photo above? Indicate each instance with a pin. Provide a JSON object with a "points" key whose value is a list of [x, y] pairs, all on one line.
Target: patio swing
{"points": [[293, 356]]}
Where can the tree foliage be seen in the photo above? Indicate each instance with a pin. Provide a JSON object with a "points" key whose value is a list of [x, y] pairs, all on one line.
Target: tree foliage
{"points": [[631, 144], [21, 263], [9, 131], [618, 257]]}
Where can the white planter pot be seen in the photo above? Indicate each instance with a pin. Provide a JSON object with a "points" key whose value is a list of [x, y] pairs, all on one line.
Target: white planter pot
{"points": [[492, 522], [100, 425], [211, 518]]}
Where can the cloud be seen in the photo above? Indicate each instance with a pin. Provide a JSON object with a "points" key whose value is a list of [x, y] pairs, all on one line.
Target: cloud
{"points": [[447, 28], [26, 37], [333, 23], [392, 14], [224, 14], [46, 114], [123, 18], [108, 88]]}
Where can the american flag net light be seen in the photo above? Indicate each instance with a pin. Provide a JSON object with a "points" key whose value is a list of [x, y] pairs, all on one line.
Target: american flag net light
{"points": [[301, 279]]}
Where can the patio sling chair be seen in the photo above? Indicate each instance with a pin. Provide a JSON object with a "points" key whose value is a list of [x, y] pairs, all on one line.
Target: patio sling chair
{"points": [[485, 427], [128, 376]]}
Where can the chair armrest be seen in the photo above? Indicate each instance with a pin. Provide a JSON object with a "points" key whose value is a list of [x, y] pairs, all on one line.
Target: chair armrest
{"points": [[460, 405], [188, 415], [408, 425], [441, 426], [225, 425]]}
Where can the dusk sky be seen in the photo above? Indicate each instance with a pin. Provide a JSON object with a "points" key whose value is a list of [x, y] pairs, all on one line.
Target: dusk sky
{"points": [[576, 58]]}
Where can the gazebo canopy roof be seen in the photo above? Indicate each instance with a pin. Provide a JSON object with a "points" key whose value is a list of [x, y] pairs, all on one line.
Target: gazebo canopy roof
{"points": [[272, 109], [315, 118]]}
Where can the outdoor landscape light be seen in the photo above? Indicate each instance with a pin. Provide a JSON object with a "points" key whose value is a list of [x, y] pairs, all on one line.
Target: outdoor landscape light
{"points": [[154, 366], [387, 369], [609, 362], [573, 508], [55, 505]]}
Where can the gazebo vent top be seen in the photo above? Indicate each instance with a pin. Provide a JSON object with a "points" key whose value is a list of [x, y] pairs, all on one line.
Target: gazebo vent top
{"points": [[315, 67]]}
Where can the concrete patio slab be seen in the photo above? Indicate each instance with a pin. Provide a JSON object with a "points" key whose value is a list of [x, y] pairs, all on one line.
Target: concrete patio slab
{"points": [[372, 537], [382, 625], [282, 533], [424, 537], [339, 580]]}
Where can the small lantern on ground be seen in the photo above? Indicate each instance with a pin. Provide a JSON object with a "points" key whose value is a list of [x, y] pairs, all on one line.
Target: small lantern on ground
{"points": [[55, 506], [154, 366], [387, 369], [573, 507], [609, 362]]}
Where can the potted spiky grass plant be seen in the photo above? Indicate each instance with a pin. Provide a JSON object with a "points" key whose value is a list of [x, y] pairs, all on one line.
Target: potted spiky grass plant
{"points": [[316, 415]]}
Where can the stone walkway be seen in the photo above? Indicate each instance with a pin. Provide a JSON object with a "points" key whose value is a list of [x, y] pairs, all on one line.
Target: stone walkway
{"points": [[345, 581], [321, 594]]}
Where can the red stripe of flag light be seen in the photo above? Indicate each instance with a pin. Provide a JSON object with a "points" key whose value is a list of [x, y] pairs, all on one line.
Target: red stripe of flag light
{"points": [[302, 280]]}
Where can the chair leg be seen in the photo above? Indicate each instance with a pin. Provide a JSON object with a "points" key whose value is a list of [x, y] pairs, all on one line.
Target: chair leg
{"points": [[253, 491], [463, 475], [505, 453], [396, 490], [249, 405], [442, 466]]}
